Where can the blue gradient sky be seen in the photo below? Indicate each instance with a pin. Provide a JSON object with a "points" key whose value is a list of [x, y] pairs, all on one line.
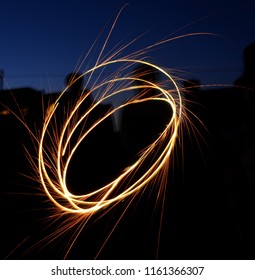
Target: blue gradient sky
{"points": [[42, 41]]}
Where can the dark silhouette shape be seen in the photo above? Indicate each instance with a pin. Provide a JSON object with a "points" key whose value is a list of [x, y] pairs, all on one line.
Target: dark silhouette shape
{"points": [[17, 191], [247, 79], [75, 89], [93, 164], [245, 148], [246, 88], [246, 85], [75, 82]]}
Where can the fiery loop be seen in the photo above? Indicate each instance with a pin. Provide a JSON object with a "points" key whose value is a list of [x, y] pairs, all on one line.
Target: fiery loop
{"points": [[53, 169]]}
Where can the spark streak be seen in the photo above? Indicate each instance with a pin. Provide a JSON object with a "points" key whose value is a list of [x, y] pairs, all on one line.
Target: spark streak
{"points": [[83, 204], [58, 144]]}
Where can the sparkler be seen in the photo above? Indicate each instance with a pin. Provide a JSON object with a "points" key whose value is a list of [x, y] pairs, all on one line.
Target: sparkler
{"points": [[58, 144], [53, 163], [90, 203], [56, 151]]}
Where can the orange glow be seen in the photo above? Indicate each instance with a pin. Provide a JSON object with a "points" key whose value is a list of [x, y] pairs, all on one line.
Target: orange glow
{"points": [[56, 145]]}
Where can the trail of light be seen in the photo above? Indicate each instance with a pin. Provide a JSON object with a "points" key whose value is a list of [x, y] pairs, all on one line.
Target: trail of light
{"points": [[57, 145], [81, 203]]}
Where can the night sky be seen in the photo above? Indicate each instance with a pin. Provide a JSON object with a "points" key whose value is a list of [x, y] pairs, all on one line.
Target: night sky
{"points": [[42, 41]]}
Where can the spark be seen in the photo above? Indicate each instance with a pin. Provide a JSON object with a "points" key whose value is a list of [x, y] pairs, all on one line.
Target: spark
{"points": [[83, 204], [58, 143], [53, 163]]}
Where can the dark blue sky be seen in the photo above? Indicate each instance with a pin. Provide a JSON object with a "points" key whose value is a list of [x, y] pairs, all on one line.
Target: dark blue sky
{"points": [[41, 41]]}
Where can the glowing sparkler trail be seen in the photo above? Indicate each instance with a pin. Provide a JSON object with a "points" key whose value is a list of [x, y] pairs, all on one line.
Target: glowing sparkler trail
{"points": [[55, 185], [58, 144]]}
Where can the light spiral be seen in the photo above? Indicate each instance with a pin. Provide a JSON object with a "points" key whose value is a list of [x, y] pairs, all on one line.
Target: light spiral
{"points": [[53, 167]]}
